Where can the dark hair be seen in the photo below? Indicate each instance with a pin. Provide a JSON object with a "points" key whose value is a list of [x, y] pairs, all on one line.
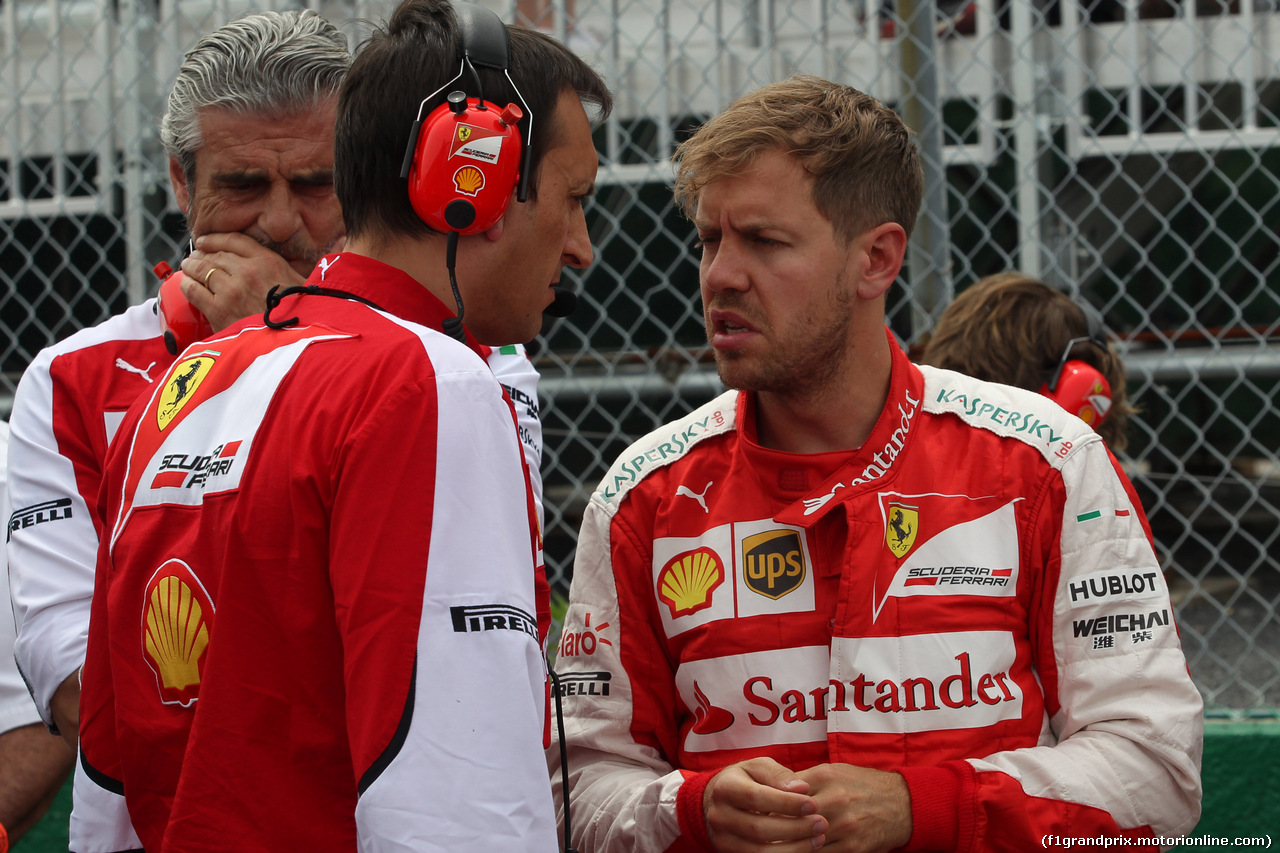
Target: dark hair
{"points": [[1013, 328], [399, 66]]}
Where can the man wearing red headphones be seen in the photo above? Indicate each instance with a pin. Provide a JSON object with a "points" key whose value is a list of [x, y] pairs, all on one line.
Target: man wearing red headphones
{"points": [[320, 608]]}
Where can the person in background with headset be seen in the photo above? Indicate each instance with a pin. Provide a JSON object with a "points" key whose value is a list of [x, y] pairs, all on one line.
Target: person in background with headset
{"points": [[857, 603], [346, 596], [1015, 329], [33, 762]]}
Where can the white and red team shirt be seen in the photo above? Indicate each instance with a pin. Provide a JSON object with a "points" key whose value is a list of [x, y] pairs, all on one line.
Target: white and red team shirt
{"points": [[67, 408], [16, 709], [316, 624], [68, 405], [970, 599]]}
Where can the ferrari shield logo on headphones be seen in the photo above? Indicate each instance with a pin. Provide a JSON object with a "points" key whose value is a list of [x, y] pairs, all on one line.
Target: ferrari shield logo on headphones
{"points": [[464, 133]]}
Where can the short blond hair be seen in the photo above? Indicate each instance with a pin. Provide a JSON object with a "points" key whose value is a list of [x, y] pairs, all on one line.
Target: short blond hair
{"points": [[865, 167], [1013, 328]]}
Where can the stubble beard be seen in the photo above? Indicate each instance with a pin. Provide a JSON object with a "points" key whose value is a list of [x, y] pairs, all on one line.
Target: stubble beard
{"points": [[803, 361]]}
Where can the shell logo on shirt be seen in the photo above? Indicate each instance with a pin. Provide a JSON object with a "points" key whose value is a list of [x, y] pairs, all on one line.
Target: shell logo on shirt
{"points": [[686, 583], [763, 565], [181, 385], [177, 619]]}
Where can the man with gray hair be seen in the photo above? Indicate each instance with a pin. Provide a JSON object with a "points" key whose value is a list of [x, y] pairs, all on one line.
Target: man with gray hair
{"points": [[249, 132]]}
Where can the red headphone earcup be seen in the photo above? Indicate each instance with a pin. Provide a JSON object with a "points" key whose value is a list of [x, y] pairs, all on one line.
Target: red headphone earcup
{"points": [[180, 322], [1083, 391], [465, 167]]}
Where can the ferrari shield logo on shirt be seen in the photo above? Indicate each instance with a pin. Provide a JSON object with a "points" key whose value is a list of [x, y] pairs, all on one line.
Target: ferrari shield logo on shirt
{"points": [[177, 622], [900, 532], [955, 545], [181, 384], [765, 563]]}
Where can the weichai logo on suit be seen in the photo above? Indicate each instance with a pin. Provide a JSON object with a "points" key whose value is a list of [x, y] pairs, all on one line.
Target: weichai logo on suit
{"points": [[773, 562]]}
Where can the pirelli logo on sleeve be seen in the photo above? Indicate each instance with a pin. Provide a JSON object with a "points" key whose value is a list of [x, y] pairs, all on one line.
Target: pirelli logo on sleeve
{"points": [[584, 684], [492, 617], [29, 516]]}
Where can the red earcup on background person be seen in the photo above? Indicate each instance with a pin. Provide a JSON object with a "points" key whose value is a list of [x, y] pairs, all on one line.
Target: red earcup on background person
{"points": [[1082, 390], [180, 322]]}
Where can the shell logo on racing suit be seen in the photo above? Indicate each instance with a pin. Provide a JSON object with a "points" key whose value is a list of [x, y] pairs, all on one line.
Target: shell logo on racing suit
{"points": [[687, 581], [177, 621], [774, 576]]}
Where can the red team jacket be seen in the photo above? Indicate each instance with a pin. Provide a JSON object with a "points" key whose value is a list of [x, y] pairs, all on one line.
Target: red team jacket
{"points": [[970, 598], [315, 623]]}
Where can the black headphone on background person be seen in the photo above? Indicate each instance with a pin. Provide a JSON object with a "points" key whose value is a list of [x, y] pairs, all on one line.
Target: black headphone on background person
{"points": [[464, 160], [1076, 385]]}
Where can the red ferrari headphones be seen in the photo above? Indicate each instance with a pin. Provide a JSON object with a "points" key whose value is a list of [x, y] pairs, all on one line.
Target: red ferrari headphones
{"points": [[465, 159], [180, 322], [1078, 386]]}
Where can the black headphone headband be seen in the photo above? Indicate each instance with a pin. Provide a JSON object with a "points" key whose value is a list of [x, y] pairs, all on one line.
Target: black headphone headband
{"points": [[485, 39], [486, 42], [1095, 333]]}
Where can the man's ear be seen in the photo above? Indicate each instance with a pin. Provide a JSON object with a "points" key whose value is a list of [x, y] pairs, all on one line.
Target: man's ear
{"points": [[181, 192], [880, 252], [495, 231]]}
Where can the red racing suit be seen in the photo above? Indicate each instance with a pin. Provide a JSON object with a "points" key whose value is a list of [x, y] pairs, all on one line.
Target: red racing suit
{"points": [[316, 623], [969, 599]]}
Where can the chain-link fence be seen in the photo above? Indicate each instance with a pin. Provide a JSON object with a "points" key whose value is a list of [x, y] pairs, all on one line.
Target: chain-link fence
{"points": [[1125, 150]]}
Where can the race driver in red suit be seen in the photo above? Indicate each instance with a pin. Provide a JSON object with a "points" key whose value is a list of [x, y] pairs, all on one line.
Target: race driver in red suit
{"points": [[858, 604]]}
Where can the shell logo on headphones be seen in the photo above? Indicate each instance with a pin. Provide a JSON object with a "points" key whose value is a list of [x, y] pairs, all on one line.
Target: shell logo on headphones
{"points": [[468, 180]]}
